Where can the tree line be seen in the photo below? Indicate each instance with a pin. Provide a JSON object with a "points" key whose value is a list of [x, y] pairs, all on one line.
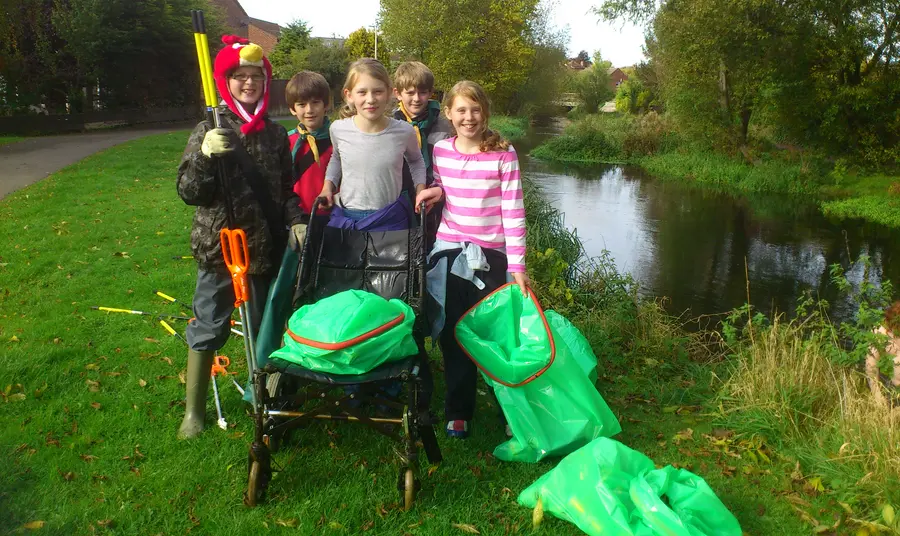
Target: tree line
{"points": [[819, 73], [79, 55]]}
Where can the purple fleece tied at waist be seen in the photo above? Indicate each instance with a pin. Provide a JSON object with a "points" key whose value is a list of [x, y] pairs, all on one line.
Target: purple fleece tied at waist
{"points": [[394, 217]]}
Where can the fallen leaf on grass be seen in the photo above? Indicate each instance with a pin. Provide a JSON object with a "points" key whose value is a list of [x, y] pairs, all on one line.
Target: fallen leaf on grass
{"points": [[537, 516], [92, 366], [92, 386], [167, 359], [106, 522], [16, 397], [33, 525], [814, 485], [292, 523], [96, 405], [67, 476], [465, 527], [335, 525], [367, 525], [685, 435], [142, 383], [88, 457], [15, 339], [888, 514], [181, 377], [151, 339]]}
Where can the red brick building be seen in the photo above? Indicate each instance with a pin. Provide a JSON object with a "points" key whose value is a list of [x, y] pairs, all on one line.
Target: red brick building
{"points": [[616, 77], [264, 34], [261, 32]]}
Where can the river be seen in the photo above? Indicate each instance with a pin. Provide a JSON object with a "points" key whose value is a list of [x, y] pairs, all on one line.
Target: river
{"points": [[698, 248]]}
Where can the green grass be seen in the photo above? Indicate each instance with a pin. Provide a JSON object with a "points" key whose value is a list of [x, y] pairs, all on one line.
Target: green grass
{"points": [[510, 127], [10, 139], [722, 172], [88, 422]]}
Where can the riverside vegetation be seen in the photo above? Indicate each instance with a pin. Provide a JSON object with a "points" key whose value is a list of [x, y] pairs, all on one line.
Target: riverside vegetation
{"points": [[91, 401], [654, 143]]}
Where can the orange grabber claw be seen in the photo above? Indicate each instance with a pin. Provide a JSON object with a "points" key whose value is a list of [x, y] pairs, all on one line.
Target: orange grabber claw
{"points": [[237, 258], [220, 364]]}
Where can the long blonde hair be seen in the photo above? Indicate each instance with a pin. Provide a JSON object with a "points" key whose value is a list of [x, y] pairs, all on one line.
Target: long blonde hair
{"points": [[369, 66], [491, 140]]}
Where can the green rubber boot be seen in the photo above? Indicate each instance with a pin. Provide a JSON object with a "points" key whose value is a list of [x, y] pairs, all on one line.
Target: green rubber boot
{"points": [[197, 384]]}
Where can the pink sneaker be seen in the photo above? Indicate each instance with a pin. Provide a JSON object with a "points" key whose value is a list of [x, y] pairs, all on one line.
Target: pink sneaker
{"points": [[458, 429]]}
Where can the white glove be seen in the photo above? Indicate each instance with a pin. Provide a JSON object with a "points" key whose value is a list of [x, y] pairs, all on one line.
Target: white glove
{"points": [[298, 233], [217, 142]]}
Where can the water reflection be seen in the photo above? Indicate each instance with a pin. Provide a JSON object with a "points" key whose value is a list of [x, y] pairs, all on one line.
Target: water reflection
{"points": [[695, 246]]}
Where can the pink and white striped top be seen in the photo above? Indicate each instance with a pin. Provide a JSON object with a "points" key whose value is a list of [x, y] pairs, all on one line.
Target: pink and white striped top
{"points": [[484, 204]]}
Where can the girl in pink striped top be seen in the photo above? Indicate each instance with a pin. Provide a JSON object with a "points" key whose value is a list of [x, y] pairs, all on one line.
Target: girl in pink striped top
{"points": [[481, 234]]}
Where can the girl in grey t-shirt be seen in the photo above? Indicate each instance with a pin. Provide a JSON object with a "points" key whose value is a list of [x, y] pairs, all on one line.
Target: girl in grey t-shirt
{"points": [[369, 147]]}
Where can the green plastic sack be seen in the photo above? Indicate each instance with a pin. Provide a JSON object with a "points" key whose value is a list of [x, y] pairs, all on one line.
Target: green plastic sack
{"points": [[349, 333], [579, 347], [607, 488], [551, 405]]}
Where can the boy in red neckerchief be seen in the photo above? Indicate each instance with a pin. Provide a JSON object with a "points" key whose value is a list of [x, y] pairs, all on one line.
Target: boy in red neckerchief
{"points": [[308, 95]]}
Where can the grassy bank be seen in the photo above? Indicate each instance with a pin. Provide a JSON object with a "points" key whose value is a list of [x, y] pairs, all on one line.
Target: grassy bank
{"points": [[91, 401], [650, 142], [511, 127]]}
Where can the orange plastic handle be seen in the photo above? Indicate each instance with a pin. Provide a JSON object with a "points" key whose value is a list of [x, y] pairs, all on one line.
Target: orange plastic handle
{"points": [[220, 363], [237, 258]]}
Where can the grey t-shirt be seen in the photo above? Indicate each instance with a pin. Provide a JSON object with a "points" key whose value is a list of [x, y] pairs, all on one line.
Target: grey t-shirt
{"points": [[368, 168]]}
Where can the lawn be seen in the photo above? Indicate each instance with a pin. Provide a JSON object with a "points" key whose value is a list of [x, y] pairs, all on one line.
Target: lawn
{"points": [[92, 400]]}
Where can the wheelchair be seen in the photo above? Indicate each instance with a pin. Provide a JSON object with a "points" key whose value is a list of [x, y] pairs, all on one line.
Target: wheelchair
{"points": [[286, 396]]}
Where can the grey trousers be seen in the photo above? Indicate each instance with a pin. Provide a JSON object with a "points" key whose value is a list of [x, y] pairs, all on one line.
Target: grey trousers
{"points": [[214, 304]]}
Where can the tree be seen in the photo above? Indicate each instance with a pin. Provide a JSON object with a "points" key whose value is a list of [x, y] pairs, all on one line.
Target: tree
{"points": [[583, 57], [592, 87], [820, 71], [293, 38], [493, 43], [329, 61], [73, 55]]}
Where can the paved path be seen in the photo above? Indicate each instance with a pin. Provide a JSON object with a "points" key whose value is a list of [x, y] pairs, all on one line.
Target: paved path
{"points": [[30, 160]]}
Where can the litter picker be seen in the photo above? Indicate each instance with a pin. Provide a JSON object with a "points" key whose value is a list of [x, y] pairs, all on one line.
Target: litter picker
{"points": [[220, 362], [166, 297], [171, 299], [172, 331], [133, 312], [234, 241]]}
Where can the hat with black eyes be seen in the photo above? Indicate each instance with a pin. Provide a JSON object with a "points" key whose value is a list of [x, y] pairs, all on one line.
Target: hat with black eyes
{"points": [[240, 52]]}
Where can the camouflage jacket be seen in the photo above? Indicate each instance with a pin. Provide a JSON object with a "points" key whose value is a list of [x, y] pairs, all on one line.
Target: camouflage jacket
{"points": [[198, 185]]}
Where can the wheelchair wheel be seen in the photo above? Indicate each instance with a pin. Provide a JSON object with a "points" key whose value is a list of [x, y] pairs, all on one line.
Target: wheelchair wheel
{"points": [[277, 385], [409, 486], [256, 487]]}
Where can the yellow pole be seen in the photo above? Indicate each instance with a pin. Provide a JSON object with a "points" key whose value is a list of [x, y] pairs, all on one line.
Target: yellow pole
{"points": [[210, 84]]}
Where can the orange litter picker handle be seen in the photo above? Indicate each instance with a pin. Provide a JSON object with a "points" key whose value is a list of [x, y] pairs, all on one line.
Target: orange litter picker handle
{"points": [[237, 258]]}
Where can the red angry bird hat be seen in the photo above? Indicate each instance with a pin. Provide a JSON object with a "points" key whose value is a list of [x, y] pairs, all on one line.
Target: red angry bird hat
{"points": [[240, 52]]}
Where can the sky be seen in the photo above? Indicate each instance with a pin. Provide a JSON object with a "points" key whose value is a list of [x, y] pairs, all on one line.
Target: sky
{"points": [[619, 44]]}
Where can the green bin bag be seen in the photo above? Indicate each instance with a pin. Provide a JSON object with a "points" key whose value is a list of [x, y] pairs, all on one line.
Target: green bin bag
{"points": [[579, 347], [606, 488], [349, 333], [550, 403]]}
